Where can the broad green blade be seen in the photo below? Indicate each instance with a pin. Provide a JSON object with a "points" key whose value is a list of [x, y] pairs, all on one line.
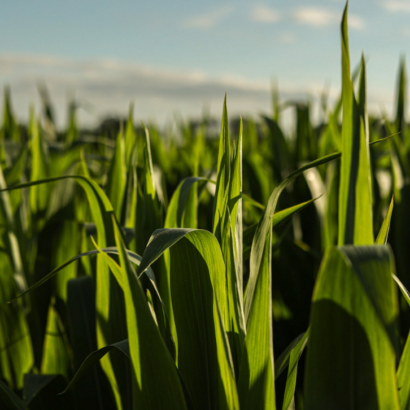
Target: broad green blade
{"points": [[355, 204], [256, 386], [294, 357], [384, 230], [116, 180], [198, 289], [56, 358], [258, 243], [10, 399], [353, 341], [155, 379]]}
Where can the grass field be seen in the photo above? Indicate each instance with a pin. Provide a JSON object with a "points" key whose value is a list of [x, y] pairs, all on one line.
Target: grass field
{"points": [[178, 269]]}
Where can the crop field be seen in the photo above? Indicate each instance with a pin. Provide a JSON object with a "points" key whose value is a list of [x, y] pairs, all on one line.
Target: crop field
{"points": [[187, 268]]}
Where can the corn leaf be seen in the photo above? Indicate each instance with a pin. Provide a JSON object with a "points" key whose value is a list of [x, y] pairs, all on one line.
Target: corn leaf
{"points": [[152, 364], [384, 230], [199, 300], [355, 206], [258, 243], [354, 300], [116, 181], [257, 374]]}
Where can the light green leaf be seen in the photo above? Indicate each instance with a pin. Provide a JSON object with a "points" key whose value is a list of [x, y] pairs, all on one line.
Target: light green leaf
{"points": [[152, 364], [198, 289], [384, 230], [256, 375], [116, 181], [355, 204]]}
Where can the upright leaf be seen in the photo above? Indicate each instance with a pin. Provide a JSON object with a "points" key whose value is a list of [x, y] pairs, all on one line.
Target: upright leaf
{"points": [[355, 204]]}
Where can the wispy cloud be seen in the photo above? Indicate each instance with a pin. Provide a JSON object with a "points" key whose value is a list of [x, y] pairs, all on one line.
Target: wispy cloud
{"points": [[208, 20], [264, 14], [319, 17], [397, 5]]}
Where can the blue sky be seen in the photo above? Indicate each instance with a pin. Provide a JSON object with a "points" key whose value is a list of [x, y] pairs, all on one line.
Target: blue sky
{"points": [[181, 55]]}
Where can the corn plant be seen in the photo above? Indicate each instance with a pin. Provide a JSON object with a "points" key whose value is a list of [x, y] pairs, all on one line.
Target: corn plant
{"points": [[142, 269]]}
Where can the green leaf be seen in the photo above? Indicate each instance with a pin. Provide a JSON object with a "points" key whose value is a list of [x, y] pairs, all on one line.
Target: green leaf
{"points": [[384, 230], [294, 357], [116, 180], [353, 326], [148, 205], [130, 140], [282, 362], [56, 359], [355, 204], [199, 299], [403, 381], [152, 364], [223, 173], [180, 213], [39, 170], [256, 375], [258, 243]]}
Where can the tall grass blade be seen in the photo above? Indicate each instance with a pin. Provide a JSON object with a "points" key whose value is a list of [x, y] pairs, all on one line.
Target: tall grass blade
{"points": [[355, 205]]}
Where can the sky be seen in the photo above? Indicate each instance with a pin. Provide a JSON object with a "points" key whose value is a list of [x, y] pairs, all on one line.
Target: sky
{"points": [[180, 57]]}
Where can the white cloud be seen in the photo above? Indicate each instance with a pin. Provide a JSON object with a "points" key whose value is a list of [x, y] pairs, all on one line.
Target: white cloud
{"points": [[319, 17], [208, 20], [109, 85], [397, 5], [265, 14]]}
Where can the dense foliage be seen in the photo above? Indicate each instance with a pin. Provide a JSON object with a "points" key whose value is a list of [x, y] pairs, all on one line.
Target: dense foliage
{"points": [[181, 270]]}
